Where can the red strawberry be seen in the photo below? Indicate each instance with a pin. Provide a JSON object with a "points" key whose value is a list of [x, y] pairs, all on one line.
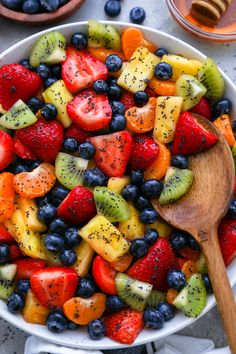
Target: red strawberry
{"points": [[5, 236], [22, 151], [104, 275], [27, 266], [128, 100], [15, 252], [190, 254], [53, 286], [154, 267], [150, 92], [190, 137], [78, 207], [124, 326], [203, 108], [112, 152], [90, 111], [17, 82], [6, 149], [227, 238], [81, 69], [144, 152], [75, 132], [43, 139]]}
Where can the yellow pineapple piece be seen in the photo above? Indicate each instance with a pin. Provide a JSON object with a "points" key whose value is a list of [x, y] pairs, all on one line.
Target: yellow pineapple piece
{"points": [[59, 96], [85, 254], [167, 114], [180, 65], [117, 184], [132, 228], [104, 238], [29, 210], [139, 70], [162, 227], [196, 63], [33, 311]]}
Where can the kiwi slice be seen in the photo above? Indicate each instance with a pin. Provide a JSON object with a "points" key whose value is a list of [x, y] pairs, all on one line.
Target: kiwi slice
{"points": [[192, 298], [210, 76], [6, 289], [133, 292], [188, 87], [70, 170], [111, 205], [100, 35], [49, 49], [19, 116], [176, 185], [155, 298], [201, 264]]}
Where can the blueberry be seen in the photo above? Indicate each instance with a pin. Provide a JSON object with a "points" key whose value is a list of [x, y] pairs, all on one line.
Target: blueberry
{"points": [[58, 194], [23, 286], [44, 200], [79, 41], [180, 161], [153, 319], [112, 8], [115, 304], [15, 302], [31, 6], [71, 326], [86, 151], [113, 63], [207, 282], [86, 288], [4, 253], [192, 243], [176, 279], [49, 5], [94, 177], [35, 104], [232, 209], [12, 4], [130, 192], [100, 86], [26, 64], [20, 167], [178, 240], [114, 93], [34, 164], [160, 52], [141, 98], [141, 203], [111, 80], [49, 111], [136, 177], [70, 145], [58, 226], [63, 2], [163, 71], [148, 216], [138, 248], [151, 188], [44, 71], [117, 107], [56, 71], [56, 322], [96, 329], [151, 236], [50, 81], [72, 237], [54, 242], [223, 106], [137, 15], [117, 123], [68, 257], [47, 213], [234, 125], [167, 310]]}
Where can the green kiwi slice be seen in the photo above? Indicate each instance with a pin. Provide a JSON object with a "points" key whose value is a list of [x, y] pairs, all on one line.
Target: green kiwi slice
{"points": [[155, 298], [111, 205], [176, 185], [133, 292], [192, 90], [19, 116], [210, 76], [6, 289], [201, 264], [49, 49], [192, 298], [100, 35], [70, 170]]}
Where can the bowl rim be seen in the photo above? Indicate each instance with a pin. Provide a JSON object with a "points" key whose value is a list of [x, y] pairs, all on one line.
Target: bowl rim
{"points": [[147, 335]]}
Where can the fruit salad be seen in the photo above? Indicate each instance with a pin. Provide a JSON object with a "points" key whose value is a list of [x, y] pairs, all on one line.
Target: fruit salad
{"points": [[90, 132]]}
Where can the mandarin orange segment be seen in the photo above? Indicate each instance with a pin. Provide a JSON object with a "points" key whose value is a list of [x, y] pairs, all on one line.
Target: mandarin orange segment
{"points": [[131, 39], [189, 268], [171, 295], [82, 311], [7, 195], [122, 263], [102, 53], [141, 119], [150, 46], [36, 183], [223, 124], [162, 88], [158, 168]]}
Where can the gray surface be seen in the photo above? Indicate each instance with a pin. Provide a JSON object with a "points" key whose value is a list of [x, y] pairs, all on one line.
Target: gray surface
{"points": [[11, 339]]}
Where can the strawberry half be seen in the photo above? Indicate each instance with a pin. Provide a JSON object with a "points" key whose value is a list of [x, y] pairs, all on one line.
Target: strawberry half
{"points": [[227, 239], [104, 275], [128, 100], [27, 266], [144, 152], [74, 131], [153, 267], [5, 236], [203, 108], [53, 286], [17, 82], [22, 151], [6, 149], [81, 69], [112, 152], [190, 136]]}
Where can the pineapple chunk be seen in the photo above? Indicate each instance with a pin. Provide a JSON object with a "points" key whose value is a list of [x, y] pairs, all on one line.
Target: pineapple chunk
{"points": [[132, 228], [10, 227], [33, 311], [162, 227], [180, 65], [139, 70], [29, 210], [167, 115], [117, 184], [58, 95], [85, 255], [196, 63], [104, 238]]}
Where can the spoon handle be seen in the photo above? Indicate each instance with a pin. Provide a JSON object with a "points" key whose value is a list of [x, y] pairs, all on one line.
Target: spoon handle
{"points": [[221, 286]]}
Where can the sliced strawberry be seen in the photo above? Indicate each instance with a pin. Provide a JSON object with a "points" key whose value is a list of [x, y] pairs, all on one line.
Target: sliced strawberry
{"points": [[203, 108], [27, 266], [6, 150], [144, 152], [153, 267], [112, 152], [190, 254], [124, 326], [190, 136], [5, 236], [90, 111], [75, 132], [150, 92], [53, 286], [15, 252], [104, 275], [81, 69], [128, 100], [22, 151], [227, 239]]}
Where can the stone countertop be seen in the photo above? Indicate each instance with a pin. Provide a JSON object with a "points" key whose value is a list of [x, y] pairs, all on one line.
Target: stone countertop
{"points": [[11, 339]]}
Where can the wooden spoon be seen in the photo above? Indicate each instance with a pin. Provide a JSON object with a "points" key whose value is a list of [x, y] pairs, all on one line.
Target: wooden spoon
{"points": [[200, 212]]}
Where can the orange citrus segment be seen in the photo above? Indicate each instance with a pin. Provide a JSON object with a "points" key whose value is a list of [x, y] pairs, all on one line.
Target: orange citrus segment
{"points": [[141, 119], [162, 88], [131, 39], [189, 268], [158, 168], [102, 53], [7, 195], [171, 295], [223, 124], [122, 263], [150, 46]]}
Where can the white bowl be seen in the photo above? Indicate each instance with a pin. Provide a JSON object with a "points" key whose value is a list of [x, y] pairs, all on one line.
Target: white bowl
{"points": [[79, 339]]}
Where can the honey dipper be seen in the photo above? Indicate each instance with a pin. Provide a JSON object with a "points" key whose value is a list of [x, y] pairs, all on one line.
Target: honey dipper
{"points": [[209, 12]]}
